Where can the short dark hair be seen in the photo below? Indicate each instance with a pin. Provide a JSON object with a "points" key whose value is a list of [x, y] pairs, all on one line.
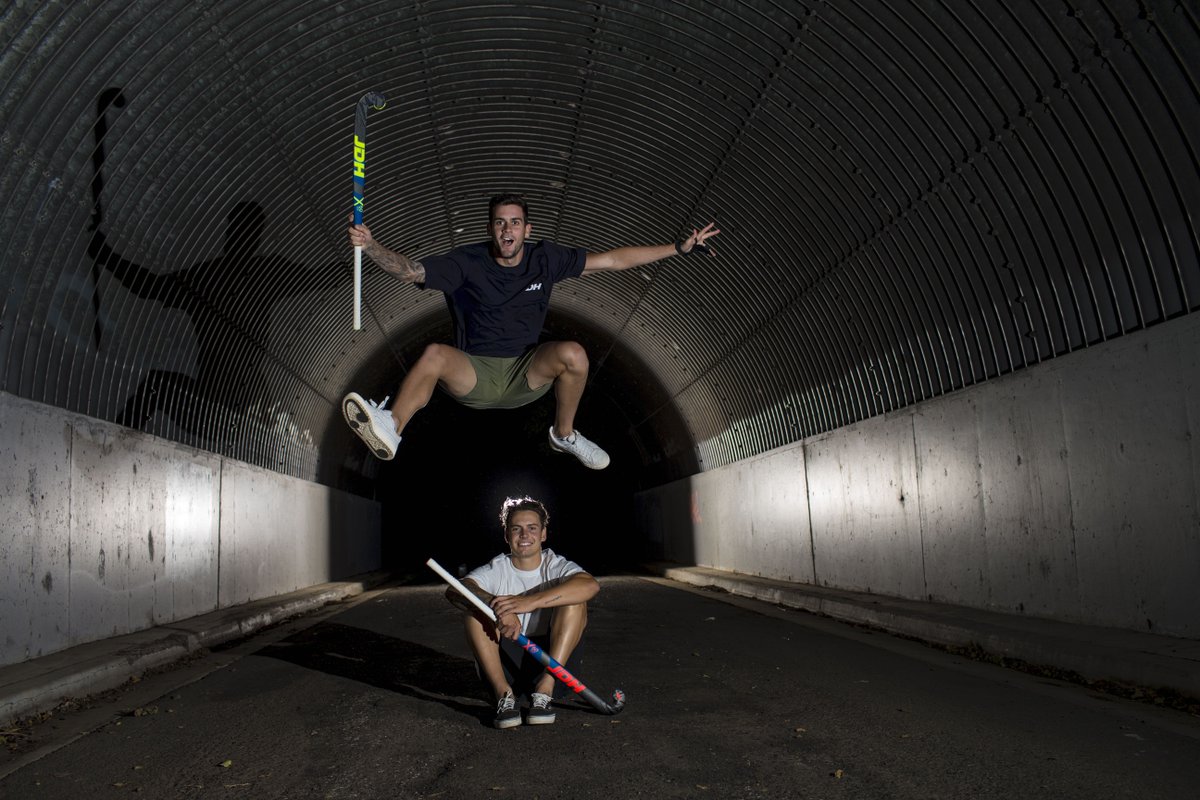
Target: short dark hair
{"points": [[507, 199], [512, 505]]}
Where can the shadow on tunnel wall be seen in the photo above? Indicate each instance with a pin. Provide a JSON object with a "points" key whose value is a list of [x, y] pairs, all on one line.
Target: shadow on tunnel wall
{"points": [[226, 398]]}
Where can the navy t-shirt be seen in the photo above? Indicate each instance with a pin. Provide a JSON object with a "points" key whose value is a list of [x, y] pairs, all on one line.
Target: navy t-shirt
{"points": [[499, 311]]}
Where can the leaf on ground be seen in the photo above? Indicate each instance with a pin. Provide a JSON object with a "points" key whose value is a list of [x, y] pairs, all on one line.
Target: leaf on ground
{"points": [[837, 773], [227, 763]]}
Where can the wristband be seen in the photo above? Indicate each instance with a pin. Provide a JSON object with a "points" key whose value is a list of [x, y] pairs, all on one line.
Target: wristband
{"points": [[696, 248]]}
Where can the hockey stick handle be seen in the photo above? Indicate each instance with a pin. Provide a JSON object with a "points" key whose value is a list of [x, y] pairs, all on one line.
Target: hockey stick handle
{"points": [[358, 288], [463, 590], [552, 666]]}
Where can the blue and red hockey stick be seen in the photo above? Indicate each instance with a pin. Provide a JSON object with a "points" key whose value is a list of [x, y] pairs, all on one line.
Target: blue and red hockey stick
{"points": [[553, 667]]}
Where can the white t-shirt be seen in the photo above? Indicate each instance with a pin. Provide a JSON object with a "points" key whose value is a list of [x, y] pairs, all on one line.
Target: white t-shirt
{"points": [[499, 576]]}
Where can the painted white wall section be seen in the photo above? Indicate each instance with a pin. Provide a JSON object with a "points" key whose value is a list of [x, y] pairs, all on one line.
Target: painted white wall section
{"points": [[34, 519], [268, 543], [862, 494], [1027, 495], [953, 538], [1133, 451], [1070, 490], [775, 502], [122, 534], [106, 531]]}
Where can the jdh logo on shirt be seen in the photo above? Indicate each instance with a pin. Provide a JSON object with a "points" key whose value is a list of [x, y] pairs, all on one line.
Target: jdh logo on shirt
{"points": [[533, 287]]}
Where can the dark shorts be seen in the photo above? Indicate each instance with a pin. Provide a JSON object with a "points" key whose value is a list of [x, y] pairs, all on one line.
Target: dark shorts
{"points": [[523, 670], [501, 382]]}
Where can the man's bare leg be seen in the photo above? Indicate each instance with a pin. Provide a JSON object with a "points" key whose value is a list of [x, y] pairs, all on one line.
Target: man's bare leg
{"points": [[565, 363], [487, 653], [566, 630], [439, 363]]}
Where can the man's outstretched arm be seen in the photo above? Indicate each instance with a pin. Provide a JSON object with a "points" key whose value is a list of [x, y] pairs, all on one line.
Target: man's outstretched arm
{"points": [[399, 265], [626, 257], [134, 277]]}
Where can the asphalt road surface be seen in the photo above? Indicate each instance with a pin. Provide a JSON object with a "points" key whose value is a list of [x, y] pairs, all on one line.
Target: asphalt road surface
{"points": [[727, 698]]}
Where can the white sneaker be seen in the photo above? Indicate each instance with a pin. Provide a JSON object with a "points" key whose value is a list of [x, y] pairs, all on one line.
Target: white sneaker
{"points": [[588, 452], [373, 424]]}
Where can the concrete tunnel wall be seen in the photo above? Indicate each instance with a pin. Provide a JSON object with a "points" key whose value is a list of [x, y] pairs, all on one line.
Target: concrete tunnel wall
{"points": [[108, 531], [1068, 491], [918, 201]]}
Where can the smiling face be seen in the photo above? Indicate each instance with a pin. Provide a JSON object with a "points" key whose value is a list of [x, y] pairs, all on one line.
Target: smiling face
{"points": [[508, 230], [525, 534]]}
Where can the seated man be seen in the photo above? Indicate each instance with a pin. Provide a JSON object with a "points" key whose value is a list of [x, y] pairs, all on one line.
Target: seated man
{"points": [[532, 592]]}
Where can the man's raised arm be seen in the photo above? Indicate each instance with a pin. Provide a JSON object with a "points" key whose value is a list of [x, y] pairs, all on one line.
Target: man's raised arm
{"points": [[399, 265]]}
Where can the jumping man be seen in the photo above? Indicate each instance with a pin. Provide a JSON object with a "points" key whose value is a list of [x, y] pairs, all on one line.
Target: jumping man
{"points": [[498, 293]]}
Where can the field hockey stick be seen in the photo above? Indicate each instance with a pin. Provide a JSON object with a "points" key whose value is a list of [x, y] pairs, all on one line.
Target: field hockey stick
{"points": [[373, 100], [108, 97], [553, 667]]}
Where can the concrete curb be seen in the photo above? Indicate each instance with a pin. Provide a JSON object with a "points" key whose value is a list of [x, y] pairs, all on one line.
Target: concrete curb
{"points": [[41, 684], [1096, 654]]}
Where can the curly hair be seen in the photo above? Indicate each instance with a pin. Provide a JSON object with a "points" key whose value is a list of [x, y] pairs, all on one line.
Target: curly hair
{"points": [[512, 505]]}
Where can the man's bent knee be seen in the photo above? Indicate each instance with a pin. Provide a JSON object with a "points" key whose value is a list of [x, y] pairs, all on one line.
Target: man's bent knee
{"points": [[573, 616], [436, 356], [448, 365], [573, 355]]}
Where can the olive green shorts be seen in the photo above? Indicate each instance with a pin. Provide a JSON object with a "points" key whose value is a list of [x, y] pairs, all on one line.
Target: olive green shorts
{"points": [[501, 383]]}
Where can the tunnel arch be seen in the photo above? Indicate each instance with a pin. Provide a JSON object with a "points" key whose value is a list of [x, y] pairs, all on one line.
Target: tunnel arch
{"points": [[914, 198]]}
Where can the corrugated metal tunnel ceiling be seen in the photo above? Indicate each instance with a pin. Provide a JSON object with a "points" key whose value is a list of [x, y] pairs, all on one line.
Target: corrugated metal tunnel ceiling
{"points": [[914, 197]]}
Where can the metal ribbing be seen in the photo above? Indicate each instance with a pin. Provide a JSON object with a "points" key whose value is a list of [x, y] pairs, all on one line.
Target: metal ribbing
{"points": [[915, 198]]}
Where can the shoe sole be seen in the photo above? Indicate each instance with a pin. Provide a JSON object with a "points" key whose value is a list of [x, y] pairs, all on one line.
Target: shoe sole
{"points": [[542, 719], [359, 420], [558, 449], [555, 447], [506, 723]]}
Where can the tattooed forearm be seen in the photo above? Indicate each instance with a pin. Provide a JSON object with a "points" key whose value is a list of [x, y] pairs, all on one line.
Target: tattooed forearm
{"points": [[399, 265]]}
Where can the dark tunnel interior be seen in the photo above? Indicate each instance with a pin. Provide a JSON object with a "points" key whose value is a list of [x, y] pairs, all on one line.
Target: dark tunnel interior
{"points": [[915, 199], [456, 465]]}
